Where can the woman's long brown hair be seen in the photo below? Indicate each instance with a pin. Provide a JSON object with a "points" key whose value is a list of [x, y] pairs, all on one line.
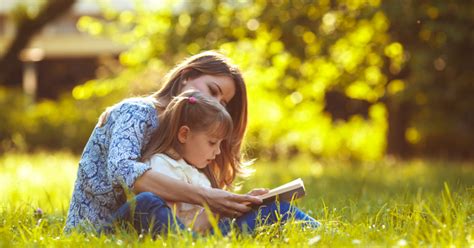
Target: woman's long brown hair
{"points": [[229, 163]]}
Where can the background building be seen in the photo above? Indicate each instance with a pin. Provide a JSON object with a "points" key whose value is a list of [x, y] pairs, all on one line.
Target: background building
{"points": [[60, 56]]}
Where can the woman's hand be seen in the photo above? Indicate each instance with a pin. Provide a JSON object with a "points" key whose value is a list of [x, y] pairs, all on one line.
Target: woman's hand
{"points": [[258, 191], [229, 204]]}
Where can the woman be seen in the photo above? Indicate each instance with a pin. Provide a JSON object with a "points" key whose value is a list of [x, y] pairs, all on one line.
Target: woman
{"points": [[109, 167]]}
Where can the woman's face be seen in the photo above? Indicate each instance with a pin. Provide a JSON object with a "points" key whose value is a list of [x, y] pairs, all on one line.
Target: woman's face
{"points": [[222, 88]]}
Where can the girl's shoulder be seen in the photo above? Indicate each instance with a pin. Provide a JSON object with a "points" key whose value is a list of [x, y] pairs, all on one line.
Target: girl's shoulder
{"points": [[167, 165], [160, 158]]}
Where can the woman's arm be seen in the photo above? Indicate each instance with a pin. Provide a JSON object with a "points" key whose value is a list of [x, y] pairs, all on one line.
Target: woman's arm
{"points": [[219, 201]]}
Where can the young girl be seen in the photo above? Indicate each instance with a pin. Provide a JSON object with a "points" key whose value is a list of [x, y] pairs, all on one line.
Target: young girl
{"points": [[195, 127]]}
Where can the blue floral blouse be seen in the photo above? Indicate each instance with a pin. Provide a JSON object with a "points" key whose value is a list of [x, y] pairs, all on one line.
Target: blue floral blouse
{"points": [[109, 163]]}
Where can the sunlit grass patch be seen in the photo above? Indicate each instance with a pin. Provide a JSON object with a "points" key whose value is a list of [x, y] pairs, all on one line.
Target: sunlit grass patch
{"points": [[387, 203], [41, 180]]}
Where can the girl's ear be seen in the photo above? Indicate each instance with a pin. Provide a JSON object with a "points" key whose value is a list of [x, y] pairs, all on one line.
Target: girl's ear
{"points": [[183, 133]]}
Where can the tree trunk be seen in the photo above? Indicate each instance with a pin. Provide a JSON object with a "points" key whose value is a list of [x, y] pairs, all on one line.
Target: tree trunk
{"points": [[26, 30], [398, 121]]}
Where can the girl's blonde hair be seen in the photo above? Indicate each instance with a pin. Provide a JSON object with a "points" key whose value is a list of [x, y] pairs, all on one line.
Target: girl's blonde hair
{"points": [[227, 164], [199, 113]]}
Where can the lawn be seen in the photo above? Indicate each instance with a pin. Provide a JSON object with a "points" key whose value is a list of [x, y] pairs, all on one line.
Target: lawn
{"points": [[387, 203]]}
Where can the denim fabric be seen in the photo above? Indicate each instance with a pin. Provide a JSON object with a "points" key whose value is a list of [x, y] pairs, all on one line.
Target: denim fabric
{"points": [[151, 215], [154, 216], [267, 215]]}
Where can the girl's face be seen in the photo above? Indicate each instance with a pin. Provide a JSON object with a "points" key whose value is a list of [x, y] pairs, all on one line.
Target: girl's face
{"points": [[222, 88], [198, 148]]}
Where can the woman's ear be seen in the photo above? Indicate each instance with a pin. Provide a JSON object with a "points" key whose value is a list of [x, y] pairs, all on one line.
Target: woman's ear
{"points": [[184, 76], [183, 133]]}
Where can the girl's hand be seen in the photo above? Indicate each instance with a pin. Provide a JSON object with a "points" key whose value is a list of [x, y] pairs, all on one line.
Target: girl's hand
{"points": [[202, 224], [228, 204], [258, 191]]}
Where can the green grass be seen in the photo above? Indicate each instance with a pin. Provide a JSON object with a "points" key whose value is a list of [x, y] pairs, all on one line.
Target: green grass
{"points": [[388, 203]]}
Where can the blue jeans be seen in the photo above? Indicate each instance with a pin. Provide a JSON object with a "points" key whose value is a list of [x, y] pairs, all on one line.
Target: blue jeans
{"points": [[152, 215], [275, 212]]}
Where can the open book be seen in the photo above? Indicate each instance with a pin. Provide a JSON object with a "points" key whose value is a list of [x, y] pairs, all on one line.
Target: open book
{"points": [[286, 192]]}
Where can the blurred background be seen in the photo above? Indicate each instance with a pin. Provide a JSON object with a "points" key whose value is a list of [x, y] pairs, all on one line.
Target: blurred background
{"points": [[353, 79]]}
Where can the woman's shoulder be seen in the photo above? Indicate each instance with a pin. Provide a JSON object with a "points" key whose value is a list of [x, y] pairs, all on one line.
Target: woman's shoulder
{"points": [[137, 106], [136, 103]]}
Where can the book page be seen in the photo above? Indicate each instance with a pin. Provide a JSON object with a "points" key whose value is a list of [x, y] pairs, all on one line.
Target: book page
{"points": [[288, 187]]}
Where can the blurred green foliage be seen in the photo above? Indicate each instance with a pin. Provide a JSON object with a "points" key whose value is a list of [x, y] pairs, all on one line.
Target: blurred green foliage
{"points": [[65, 124], [292, 53]]}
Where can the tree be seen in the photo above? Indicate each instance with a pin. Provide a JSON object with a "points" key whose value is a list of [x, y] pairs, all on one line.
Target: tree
{"points": [[434, 109], [27, 28]]}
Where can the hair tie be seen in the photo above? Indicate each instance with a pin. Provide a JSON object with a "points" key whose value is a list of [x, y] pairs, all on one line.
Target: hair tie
{"points": [[192, 100]]}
